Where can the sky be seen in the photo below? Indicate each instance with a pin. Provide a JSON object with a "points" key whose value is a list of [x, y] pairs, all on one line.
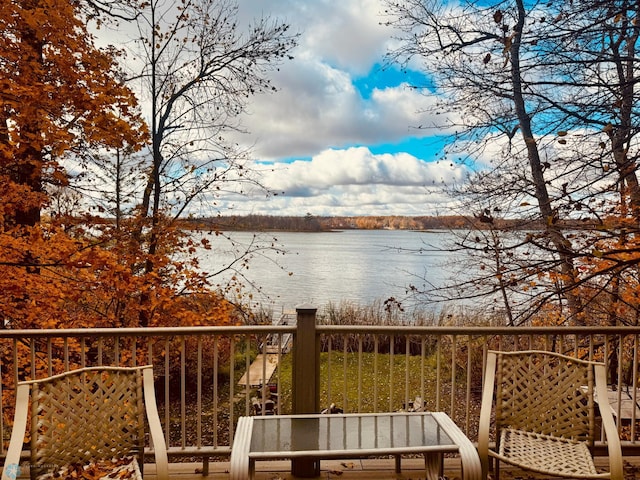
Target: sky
{"points": [[339, 136]]}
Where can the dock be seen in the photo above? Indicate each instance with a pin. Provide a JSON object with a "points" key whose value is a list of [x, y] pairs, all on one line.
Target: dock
{"points": [[262, 368], [260, 371]]}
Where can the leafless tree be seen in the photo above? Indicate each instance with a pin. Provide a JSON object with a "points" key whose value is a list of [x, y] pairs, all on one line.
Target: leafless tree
{"points": [[537, 88], [195, 68]]}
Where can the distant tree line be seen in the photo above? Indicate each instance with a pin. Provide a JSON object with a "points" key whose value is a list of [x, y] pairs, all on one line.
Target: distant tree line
{"points": [[311, 223]]}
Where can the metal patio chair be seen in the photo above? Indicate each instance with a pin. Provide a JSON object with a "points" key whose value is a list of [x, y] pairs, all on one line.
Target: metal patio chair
{"points": [[87, 417], [545, 415]]}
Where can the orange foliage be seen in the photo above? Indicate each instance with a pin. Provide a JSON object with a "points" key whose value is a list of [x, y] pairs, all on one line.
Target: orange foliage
{"points": [[62, 99], [81, 283]]}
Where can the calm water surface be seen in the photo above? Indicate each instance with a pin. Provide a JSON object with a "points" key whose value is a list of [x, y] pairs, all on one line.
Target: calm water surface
{"points": [[359, 266]]}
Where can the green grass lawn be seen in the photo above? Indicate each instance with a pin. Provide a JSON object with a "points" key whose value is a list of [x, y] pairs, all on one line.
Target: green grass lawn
{"points": [[370, 385]]}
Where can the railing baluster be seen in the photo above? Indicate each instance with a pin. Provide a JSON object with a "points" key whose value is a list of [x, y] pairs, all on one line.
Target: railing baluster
{"points": [[265, 380], [183, 392], [375, 372], [49, 356], [423, 354], [83, 352], [32, 347], [278, 375], [345, 380], [329, 370], [134, 352], [215, 393], [406, 371], [247, 366], [467, 421], [454, 344], [2, 437], [438, 371], [232, 383], [392, 340], [100, 351], [167, 398], [359, 373], [634, 386], [199, 395], [66, 353]]}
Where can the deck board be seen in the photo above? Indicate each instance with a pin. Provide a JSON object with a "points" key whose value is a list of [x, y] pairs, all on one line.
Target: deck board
{"points": [[373, 469]]}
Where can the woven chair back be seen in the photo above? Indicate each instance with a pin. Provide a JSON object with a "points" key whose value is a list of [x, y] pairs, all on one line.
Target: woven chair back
{"points": [[545, 393], [84, 415]]}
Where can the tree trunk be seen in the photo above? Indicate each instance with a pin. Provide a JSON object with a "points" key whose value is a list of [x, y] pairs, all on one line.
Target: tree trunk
{"points": [[549, 216]]}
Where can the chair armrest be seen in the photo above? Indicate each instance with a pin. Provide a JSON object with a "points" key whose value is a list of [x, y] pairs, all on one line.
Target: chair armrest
{"points": [[609, 425], [155, 428], [12, 462], [484, 425]]}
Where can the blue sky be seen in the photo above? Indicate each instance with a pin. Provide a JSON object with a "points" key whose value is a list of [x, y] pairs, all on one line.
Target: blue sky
{"points": [[340, 136]]}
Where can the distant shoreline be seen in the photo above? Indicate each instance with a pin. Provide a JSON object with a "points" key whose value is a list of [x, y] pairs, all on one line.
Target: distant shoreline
{"points": [[311, 223]]}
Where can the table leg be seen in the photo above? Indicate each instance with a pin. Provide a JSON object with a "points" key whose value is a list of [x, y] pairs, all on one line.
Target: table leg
{"points": [[433, 466], [241, 466], [471, 467], [398, 465], [305, 467]]}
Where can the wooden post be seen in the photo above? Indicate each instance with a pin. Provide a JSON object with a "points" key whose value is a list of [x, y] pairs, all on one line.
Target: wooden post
{"points": [[306, 380]]}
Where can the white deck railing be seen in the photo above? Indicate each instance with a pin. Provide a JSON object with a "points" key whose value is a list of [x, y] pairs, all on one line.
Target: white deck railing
{"points": [[199, 405]]}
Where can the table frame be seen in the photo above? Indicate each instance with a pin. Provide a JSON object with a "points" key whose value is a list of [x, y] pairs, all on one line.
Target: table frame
{"points": [[242, 463]]}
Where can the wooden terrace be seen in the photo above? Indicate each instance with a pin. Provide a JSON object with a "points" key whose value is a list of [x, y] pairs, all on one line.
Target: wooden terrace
{"points": [[200, 397], [369, 469]]}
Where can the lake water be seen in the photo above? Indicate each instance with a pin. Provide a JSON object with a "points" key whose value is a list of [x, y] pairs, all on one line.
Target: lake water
{"points": [[359, 266]]}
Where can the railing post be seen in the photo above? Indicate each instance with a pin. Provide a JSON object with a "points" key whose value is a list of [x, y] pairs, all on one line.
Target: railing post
{"points": [[306, 380]]}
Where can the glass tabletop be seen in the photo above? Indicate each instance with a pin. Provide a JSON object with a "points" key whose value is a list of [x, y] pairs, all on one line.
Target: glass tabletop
{"points": [[334, 433]]}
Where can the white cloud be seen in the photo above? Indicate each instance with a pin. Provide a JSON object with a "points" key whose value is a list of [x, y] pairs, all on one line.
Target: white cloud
{"points": [[318, 114], [349, 34], [346, 34], [317, 105], [358, 166], [354, 181]]}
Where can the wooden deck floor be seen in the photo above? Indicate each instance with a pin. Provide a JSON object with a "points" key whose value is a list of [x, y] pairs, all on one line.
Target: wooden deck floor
{"points": [[374, 469]]}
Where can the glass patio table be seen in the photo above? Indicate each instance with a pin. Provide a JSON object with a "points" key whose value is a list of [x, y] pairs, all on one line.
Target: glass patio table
{"points": [[314, 437]]}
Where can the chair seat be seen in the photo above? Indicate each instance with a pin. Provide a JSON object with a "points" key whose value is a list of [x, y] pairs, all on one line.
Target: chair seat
{"points": [[126, 468], [546, 454], [87, 422]]}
